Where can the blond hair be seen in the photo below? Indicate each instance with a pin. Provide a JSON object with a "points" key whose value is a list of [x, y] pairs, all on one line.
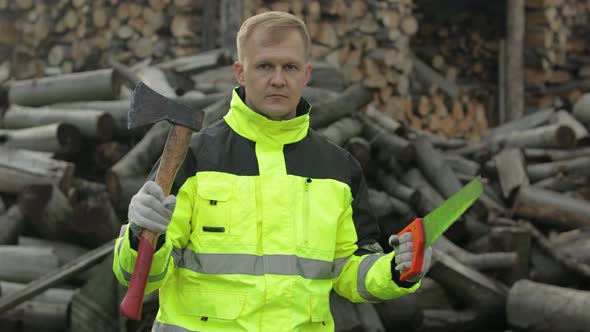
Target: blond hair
{"points": [[273, 20]]}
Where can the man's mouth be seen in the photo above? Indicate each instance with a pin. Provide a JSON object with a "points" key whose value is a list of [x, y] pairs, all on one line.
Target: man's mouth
{"points": [[276, 95]]}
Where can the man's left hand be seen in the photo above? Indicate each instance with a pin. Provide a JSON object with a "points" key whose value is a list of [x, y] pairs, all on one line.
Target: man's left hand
{"points": [[403, 246]]}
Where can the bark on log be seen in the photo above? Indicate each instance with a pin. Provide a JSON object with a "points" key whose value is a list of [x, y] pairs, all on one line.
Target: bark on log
{"points": [[551, 208], [216, 111], [326, 76], [94, 220], [563, 183], [575, 244], [511, 171], [12, 225], [349, 101], [435, 168], [473, 288], [581, 109], [62, 139], [91, 85], [550, 136], [397, 314], [136, 162], [21, 168], [429, 77], [91, 123], [385, 141], [577, 167], [25, 264], [384, 120], [561, 309], [53, 295], [36, 316], [342, 130], [193, 64]]}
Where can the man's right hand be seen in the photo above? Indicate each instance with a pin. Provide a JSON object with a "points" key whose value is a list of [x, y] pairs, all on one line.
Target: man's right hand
{"points": [[150, 209]]}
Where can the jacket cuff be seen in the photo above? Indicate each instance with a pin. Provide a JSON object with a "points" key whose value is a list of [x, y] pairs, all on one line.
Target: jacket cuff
{"points": [[134, 241]]}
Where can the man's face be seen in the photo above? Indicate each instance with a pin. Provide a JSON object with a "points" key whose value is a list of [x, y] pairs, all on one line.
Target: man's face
{"points": [[273, 72]]}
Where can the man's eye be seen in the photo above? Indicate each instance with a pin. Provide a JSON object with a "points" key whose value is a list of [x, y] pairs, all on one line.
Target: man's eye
{"points": [[263, 66], [291, 67]]}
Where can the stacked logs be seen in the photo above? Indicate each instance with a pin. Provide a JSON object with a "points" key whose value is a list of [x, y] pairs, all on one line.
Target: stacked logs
{"points": [[75, 35], [526, 233], [556, 51]]}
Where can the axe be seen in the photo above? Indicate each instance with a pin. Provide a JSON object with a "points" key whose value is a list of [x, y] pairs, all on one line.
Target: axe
{"points": [[148, 107]]}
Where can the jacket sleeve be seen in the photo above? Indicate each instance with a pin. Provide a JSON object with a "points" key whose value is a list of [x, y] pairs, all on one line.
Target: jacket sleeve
{"points": [[168, 253], [362, 272]]}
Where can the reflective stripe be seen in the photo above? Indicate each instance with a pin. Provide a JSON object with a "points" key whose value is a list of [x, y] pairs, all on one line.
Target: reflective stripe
{"points": [[256, 265], [163, 327], [127, 276], [338, 265], [364, 268]]}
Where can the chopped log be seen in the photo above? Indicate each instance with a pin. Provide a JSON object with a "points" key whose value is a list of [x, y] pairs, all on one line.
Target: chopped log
{"points": [[384, 121], [193, 64], [94, 220], [541, 155], [397, 314], [385, 141], [137, 161], [462, 165], [47, 210], [36, 316], [480, 262], [53, 295], [430, 198], [24, 264], [383, 204], [470, 286], [91, 85], [56, 276], [435, 167], [429, 77], [360, 149], [342, 130], [528, 301], [396, 189], [549, 136], [566, 119], [562, 183], [575, 244], [578, 166], [551, 208], [65, 252], [390, 163], [92, 307], [350, 100], [511, 171], [12, 224], [369, 317], [432, 320], [526, 122], [327, 76], [517, 241], [59, 138], [21, 168], [581, 110], [91, 123]]}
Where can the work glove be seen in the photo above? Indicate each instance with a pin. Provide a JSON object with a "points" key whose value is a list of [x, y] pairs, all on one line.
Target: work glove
{"points": [[403, 247], [150, 209]]}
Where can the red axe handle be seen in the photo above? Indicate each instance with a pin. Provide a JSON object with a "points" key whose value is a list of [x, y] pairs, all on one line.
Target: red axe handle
{"points": [[174, 153]]}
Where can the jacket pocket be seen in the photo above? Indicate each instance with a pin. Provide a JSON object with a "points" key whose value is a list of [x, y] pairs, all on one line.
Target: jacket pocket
{"points": [[224, 211], [213, 304]]}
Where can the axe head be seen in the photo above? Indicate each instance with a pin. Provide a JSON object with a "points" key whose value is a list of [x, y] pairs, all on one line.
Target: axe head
{"points": [[148, 107]]}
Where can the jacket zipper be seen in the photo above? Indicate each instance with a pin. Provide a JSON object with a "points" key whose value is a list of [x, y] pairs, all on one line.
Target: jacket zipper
{"points": [[305, 226]]}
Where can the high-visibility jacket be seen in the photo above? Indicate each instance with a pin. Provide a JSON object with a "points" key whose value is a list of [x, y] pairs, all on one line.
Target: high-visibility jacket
{"points": [[269, 219]]}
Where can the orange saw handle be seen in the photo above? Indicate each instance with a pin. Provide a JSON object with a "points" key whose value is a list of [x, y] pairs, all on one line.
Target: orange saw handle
{"points": [[416, 227]]}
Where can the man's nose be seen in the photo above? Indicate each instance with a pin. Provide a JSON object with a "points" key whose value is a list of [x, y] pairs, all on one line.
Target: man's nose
{"points": [[278, 78]]}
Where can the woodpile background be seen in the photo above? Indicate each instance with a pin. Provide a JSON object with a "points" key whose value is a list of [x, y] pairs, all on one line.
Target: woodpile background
{"points": [[69, 166]]}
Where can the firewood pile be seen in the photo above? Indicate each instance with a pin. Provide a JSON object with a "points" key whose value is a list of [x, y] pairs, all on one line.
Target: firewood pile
{"points": [[69, 168], [73, 35], [557, 51]]}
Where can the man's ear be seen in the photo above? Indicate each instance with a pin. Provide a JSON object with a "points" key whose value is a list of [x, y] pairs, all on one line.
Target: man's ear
{"points": [[239, 73], [307, 72]]}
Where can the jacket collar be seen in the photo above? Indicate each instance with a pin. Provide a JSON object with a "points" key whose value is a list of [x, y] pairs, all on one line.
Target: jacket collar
{"points": [[260, 129]]}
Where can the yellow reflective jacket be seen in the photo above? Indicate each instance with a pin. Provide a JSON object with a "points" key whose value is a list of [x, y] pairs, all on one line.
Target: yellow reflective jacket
{"points": [[270, 217]]}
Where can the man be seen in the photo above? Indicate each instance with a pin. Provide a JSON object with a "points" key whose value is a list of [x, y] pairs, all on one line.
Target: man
{"points": [[269, 217]]}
